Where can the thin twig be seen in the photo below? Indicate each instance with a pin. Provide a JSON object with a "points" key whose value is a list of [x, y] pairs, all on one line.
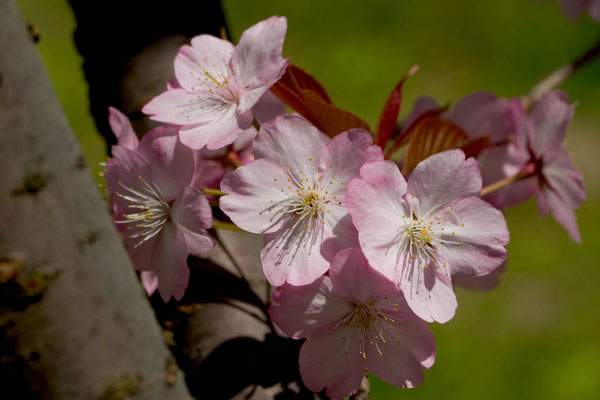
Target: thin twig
{"points": [[527, 172], [559, 76]]}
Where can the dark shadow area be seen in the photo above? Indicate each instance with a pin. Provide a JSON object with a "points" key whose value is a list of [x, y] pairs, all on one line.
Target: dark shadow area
{"points": [[111, 32]]}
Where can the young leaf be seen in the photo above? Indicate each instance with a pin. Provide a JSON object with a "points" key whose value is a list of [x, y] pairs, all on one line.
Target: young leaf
{"points": [[389, 116], [307, 96], [429, 136]]}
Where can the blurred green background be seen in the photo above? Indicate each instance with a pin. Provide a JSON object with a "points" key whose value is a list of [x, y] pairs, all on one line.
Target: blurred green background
{"points": [[537, 336]]}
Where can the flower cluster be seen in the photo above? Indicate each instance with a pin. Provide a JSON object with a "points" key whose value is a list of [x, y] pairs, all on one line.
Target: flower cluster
{"points": [[365, 234]]}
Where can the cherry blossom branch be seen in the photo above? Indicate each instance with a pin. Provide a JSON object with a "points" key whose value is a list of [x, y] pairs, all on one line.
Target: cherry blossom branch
{"points": [[527, 172], [559, 76]]}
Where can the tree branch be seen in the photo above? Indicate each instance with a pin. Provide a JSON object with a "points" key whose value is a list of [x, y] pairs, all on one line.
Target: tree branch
{"points": [[559, 76]]}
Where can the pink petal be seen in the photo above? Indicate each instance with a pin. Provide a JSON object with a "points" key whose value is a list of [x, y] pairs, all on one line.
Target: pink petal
{"points": [[483, 114], [474, 236], [293, 143], [257, 60], [393, 360], [285, 258], [562, 214], [180, 107], [253, 193], [268, 107], [149, 281], [301, 310], [220, 132], [550, 117], [379, 189], [562, 192], [428, 290], [355, 281], [207, 58], [330, 360], [562, 176], [245, 139], [376, 205], [207, 173], [595, 10], [444, 177], [171, 162], [192, 213], [344, 155], [121, 127], [170, 263]]}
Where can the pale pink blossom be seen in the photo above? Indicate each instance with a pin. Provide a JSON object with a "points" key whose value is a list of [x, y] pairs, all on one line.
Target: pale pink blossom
{"points": [[294, 194], [160, 212], [418, 234], [355, 320], [218, 85], [559, 183], [574, 8]]}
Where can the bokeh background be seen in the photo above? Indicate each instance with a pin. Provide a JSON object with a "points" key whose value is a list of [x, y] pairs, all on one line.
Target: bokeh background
{"points": [[537, 336]]}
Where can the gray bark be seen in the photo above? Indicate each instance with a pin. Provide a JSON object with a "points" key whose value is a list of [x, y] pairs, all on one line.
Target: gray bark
{"points": [[73, 316]]}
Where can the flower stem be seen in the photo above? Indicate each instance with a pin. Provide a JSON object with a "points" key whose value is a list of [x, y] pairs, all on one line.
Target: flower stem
{"points": [[226, 226], [559, 76], [527, 172], [213, 192]]}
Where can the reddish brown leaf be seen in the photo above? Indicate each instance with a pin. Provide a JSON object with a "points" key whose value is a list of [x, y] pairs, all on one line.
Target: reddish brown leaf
{"points": [[302, 80], [306, 96], [474, 147], [429, 136], [403, 138], [333, 120], [391, 109]]}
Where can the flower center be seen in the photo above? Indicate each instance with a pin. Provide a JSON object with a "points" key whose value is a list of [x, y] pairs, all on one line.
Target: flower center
{"points": [[370, 320], [311, 202], [148, 212], [306, 205], [418, 233]]}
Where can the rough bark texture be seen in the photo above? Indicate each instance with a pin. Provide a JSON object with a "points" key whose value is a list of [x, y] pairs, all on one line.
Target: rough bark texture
{"points": [[74, 322]]}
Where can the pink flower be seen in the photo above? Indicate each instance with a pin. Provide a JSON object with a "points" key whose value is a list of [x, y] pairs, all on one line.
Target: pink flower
{"points": [[574, 8], [355, 320], [559, 184], [220, 84], [162, 216], [504, 121], [294, 194], [419, 233]]}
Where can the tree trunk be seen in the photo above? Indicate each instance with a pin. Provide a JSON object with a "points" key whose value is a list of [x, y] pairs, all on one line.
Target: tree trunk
{"points": [[74, 321]]}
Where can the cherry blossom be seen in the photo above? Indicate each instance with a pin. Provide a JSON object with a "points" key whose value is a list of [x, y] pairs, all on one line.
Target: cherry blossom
{"points": [[218, 85], [559, 183], [294, 194], [418, 233], [355, 320], [159, 212]]}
